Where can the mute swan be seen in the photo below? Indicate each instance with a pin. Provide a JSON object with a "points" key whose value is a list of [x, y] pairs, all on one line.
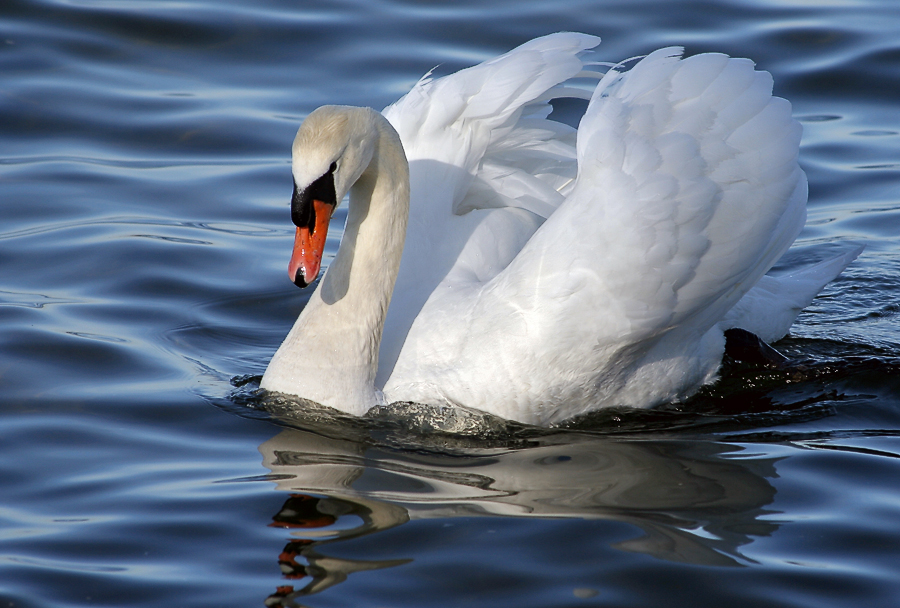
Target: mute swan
{"points": [[545, 272]]}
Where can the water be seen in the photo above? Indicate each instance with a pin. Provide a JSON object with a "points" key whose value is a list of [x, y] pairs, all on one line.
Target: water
{"points": [[144, 183]]}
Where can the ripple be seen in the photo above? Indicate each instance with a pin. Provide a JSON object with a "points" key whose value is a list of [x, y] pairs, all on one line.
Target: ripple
{"points": [[101, 338], [819, 118], [31, 300], [874, 133]]}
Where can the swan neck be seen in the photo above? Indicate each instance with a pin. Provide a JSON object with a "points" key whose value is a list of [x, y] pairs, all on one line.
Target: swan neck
{"points": [[368, 260]]}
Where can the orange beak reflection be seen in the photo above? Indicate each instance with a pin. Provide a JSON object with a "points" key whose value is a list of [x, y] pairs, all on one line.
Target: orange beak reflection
{"points": [[309, 246]]}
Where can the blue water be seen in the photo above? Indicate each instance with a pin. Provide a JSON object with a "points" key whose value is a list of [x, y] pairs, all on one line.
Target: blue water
{"points": [[144, 188]]}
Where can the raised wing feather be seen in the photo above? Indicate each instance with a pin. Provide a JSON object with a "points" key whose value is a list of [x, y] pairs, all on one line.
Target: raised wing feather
{"points": [[688, 189], [498, 106]]}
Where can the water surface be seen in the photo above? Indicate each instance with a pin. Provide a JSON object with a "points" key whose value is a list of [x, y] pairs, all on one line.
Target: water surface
{"points": [[144, 188]]}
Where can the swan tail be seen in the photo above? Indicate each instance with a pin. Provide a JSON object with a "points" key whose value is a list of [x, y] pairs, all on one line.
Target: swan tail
{"points": [[770, 308]]}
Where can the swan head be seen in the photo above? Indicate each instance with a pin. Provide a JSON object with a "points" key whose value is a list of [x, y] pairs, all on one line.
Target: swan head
{"points": [[333, 147]]}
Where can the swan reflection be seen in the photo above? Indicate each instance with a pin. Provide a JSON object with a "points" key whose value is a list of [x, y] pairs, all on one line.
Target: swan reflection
{"points": [[695, 501]]}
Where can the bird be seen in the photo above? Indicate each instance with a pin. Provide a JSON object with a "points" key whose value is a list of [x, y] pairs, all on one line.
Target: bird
{"points": [[498, 259]]}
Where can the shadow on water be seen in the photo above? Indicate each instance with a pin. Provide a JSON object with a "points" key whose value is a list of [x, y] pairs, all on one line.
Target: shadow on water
{"points": [[682, 475]]}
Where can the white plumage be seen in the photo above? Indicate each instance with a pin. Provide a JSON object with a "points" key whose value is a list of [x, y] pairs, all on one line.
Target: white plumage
{"points": [[548, 272]]}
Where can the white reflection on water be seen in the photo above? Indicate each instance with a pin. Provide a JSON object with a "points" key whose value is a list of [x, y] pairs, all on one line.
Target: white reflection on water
{"points": [[694, 500]]}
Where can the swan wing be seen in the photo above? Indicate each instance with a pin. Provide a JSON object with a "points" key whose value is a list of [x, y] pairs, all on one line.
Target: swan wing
{"points": [[495, 109], [688, 191]]}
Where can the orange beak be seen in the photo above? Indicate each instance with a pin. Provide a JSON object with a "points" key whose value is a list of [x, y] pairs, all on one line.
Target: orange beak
{"points": [[309, 246]]}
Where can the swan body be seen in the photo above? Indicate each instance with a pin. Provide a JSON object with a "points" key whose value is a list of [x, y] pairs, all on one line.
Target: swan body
{"points": [[499, 260]]}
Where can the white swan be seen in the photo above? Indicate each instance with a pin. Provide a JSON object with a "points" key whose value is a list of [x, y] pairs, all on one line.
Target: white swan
{"points": [[545, 272]]}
